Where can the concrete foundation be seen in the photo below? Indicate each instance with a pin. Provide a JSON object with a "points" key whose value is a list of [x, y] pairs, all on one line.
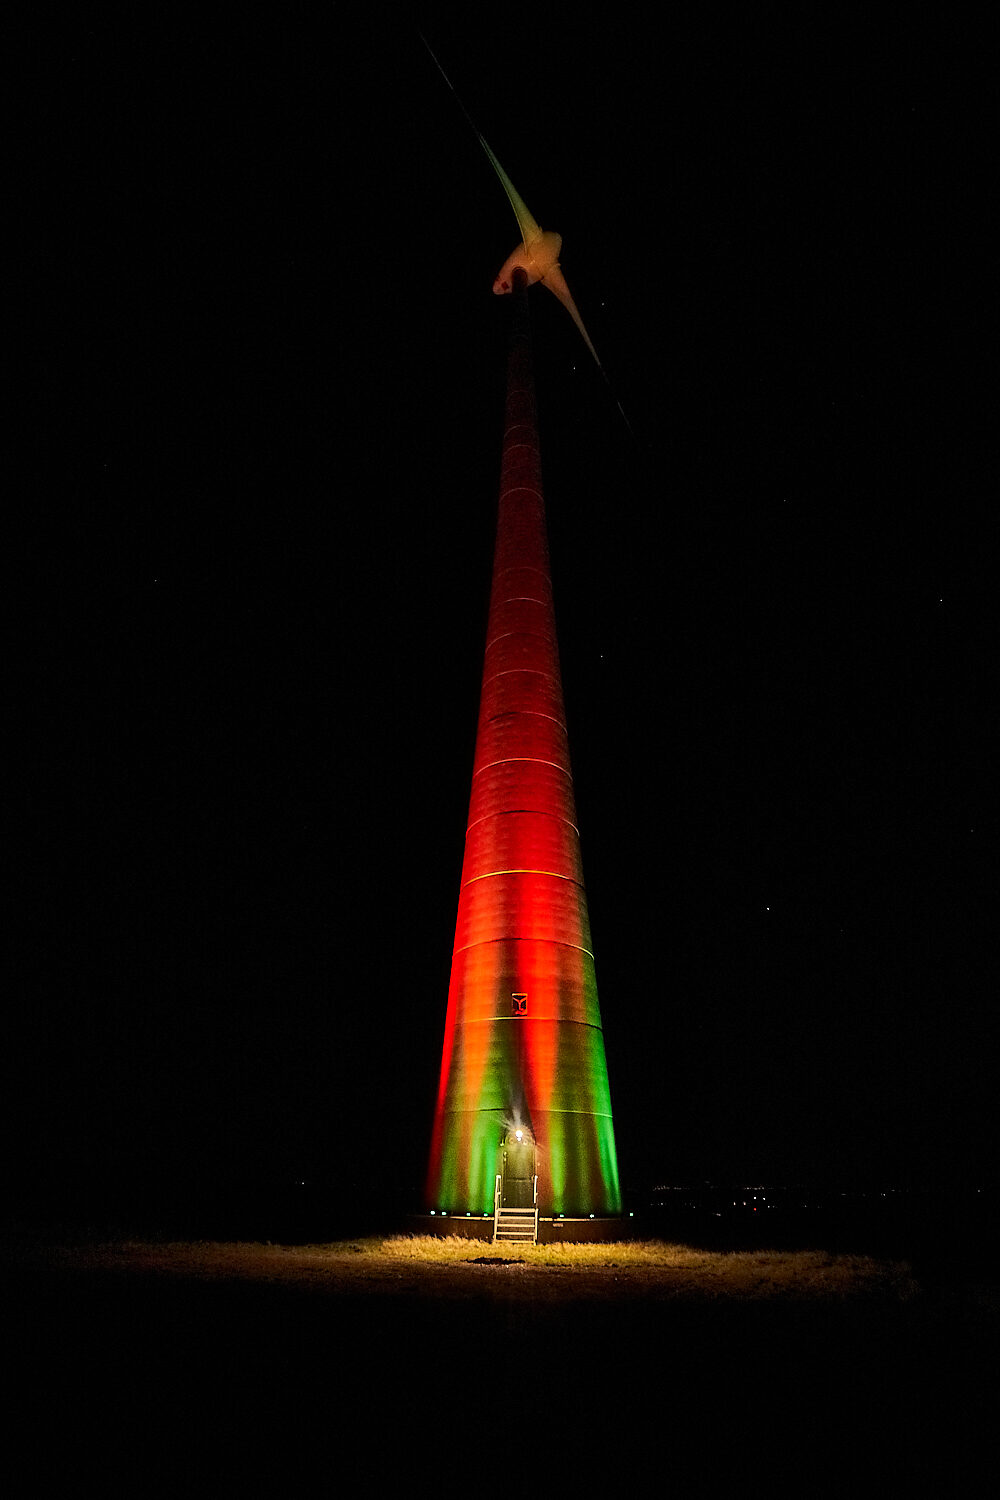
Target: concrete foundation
{"points": [[550, 1231]]}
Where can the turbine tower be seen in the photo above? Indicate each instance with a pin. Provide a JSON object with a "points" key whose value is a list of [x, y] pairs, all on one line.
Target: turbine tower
{"points": [[523, 1102]]}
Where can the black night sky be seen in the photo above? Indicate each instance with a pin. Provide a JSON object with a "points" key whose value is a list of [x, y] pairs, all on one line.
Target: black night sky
{"points": [[262, 396]]}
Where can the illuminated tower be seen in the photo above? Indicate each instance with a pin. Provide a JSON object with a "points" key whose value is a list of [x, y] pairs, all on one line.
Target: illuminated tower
{"points": [[523, 1045]]}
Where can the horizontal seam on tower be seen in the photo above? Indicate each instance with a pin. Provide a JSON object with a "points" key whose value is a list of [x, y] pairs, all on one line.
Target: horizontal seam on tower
{"points": [[531, 812], [556, 943], [510, 760], [526, 1020], [522, 567], [593, 1114], [527, 713], [525, 671], [505, 635], [520, 870], [560, 1021]]}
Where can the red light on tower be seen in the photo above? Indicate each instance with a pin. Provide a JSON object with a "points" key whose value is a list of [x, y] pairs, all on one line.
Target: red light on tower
{"points": [[523, 1046]]}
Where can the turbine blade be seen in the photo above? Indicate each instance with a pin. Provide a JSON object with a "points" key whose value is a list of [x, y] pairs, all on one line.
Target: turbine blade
{"points": [[526, 222], [556, 283]]}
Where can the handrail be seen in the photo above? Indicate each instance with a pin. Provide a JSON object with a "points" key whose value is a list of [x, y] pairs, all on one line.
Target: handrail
{"points": [[514, 1212]]}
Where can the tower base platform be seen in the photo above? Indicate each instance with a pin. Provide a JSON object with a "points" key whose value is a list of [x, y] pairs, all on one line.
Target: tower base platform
{"points": [[550, 1231]]}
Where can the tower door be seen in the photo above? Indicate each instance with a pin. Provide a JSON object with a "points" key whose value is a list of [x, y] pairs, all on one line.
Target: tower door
{"points": [[517, 1173]]}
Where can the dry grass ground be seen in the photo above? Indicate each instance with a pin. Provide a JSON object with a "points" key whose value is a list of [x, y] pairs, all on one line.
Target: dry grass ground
{"points": [[443, 1268], [379, 1364]]}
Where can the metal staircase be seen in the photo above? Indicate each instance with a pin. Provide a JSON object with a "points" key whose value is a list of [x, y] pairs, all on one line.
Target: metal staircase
{"points": [[515, 1226]]}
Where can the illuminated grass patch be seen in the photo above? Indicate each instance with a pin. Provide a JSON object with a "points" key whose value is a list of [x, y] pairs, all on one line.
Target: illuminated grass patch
{"points": [[755, 1273], [425, 1266]]}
